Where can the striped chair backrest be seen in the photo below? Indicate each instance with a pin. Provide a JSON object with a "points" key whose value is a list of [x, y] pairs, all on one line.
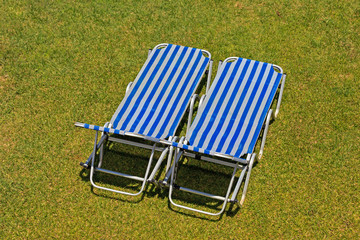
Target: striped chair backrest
{"points": [[161, 92], [230, 119]]}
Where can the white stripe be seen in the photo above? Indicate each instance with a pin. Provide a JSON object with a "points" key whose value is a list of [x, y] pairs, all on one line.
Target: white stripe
{"points": [[157, 112], [177, 92], [236, 100], [131, 89], [203, 105], [183, 95], [226, 102], [242, 108], [258, 115], [218, 92], [248, 116], [138, 90], [166, 93], [150, 88]]}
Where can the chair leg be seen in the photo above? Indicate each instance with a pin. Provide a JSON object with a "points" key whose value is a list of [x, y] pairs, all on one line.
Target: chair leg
{"points": [[172, 183], [93, 169], [268, 118], [247, 178]]}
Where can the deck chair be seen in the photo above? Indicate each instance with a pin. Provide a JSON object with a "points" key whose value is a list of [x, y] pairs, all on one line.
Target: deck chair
{"points": [[153, 106], [229, 121]]}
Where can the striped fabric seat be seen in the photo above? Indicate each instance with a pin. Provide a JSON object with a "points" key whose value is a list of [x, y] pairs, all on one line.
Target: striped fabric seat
{"points": [[160, 94], [232, 115]]}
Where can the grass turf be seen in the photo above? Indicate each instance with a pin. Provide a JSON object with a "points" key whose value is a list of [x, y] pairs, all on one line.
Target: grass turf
{"points": [[71, 61]]}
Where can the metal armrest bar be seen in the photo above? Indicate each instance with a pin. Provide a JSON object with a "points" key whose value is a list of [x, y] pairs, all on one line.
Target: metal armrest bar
{"points": [[142, 145], [193, 99], [268, 118], [280, 95], [209, 195], [212, 160], [119, 174], [209, 76]]}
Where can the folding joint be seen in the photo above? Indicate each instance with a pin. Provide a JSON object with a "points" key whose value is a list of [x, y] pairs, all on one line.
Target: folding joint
{"points": [[84, 165], [209, 75], [128, 87], [191, 109], [202, 99], [266, 129], [280, 96], [197, 156]]}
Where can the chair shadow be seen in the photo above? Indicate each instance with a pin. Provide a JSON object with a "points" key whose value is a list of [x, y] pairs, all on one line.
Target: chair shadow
{"points": [[133, 160], [205, 177], [125, 159]]}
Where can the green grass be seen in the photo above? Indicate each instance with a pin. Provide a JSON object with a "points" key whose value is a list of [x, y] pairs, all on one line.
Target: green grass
{"points": [[71, 61]]}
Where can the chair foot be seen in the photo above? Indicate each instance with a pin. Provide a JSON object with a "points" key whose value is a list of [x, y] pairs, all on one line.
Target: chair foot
{"points": [[84, 165]]}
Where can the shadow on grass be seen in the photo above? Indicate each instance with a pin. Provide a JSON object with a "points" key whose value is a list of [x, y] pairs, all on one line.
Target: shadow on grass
{"points": [[205, 177], [125, 159], [192, 173]]}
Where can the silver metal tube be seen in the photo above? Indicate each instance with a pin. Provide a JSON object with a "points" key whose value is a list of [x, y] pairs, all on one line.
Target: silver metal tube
{"points": [[86, 164], [280, 96], [158, 164], [123, 192], [209, 76], [101, 157], [201, 211], [202, 99], [119, 174], [247, 178], [202, 193], [136, 144], [268, 118], [219, 66], [93, 157], [168, 163], [128, 87], [208, 159], [193, 98], [238, 184]]}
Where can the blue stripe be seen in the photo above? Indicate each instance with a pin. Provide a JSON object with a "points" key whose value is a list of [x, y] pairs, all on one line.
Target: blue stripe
{"points": [[153, 91], [135, 88], [263, 115], [181, 92], [167, 101], [246, 110], [190, 92], [209, 103], [254, 113], [218, 107], [96, 128], [239, 103], [144, 90], [161, 95], [86, 126]]}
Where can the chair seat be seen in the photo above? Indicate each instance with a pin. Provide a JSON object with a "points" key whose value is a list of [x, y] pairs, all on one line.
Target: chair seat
{"points": [[161, 92], [230, 119]]}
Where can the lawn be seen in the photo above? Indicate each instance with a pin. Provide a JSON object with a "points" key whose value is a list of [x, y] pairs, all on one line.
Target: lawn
{"points": [[68, 61]]}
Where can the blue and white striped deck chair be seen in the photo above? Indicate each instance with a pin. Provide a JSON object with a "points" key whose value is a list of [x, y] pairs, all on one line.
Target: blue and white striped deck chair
{"points": [[153, 106], [229, 121]]}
